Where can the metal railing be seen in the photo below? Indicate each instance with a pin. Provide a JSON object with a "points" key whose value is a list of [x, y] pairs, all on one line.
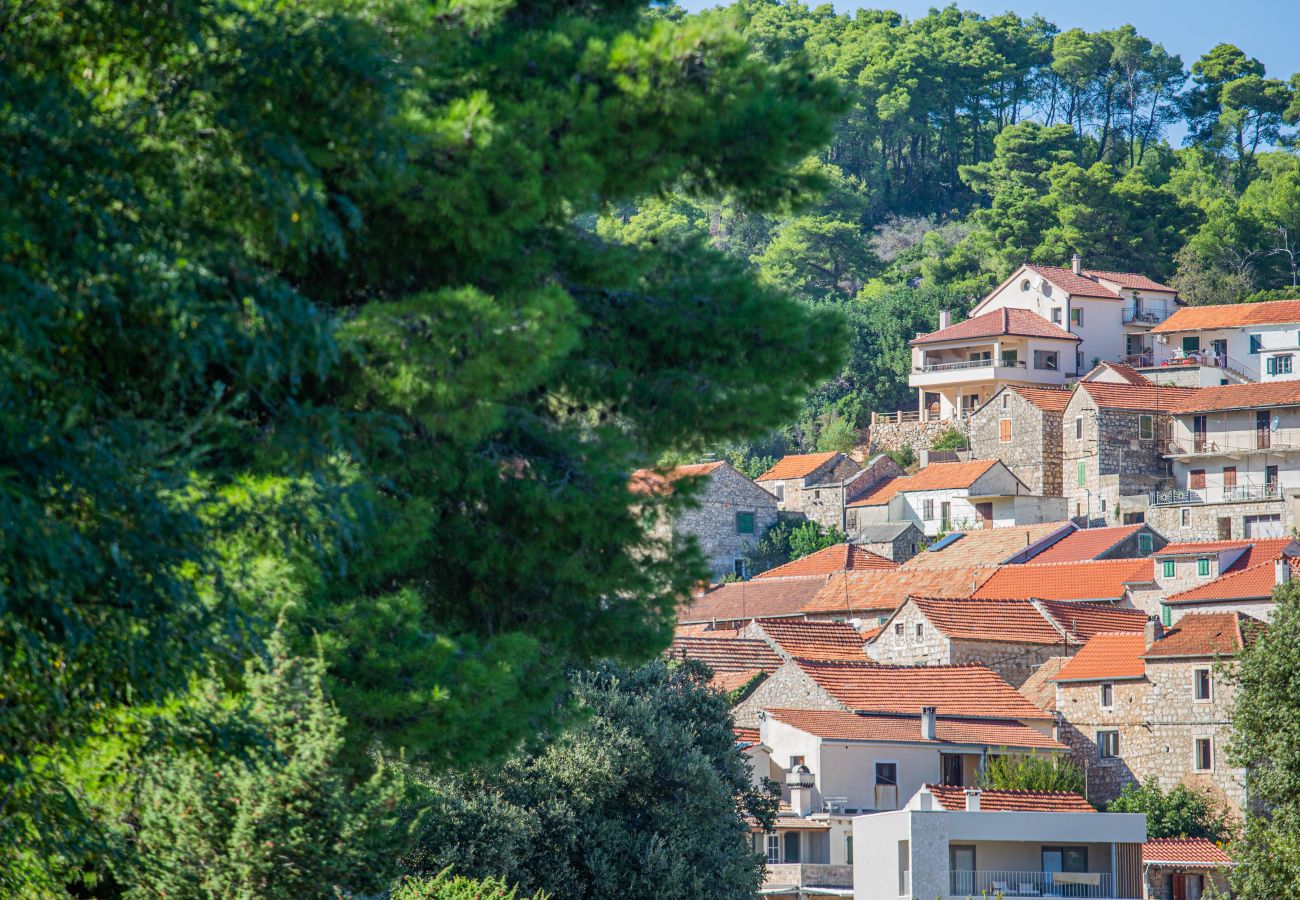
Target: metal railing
{"points": [[1230, 493], [971, 364], [1242, 442], [989, 882], [1209, 358], [1138, 314]]}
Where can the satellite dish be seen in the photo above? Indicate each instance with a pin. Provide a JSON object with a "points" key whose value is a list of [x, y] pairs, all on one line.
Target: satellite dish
{"points": [[1273, 426]]}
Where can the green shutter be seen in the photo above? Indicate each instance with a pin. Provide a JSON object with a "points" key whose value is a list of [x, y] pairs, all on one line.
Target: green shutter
{"points": [[1169, 568], [1165, 617], [1083, 473], [744, 523], [1202, 567], [1144, 542]]}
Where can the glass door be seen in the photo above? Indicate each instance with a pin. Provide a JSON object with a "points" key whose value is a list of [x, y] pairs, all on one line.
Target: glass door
{"points": [[961, 861]]}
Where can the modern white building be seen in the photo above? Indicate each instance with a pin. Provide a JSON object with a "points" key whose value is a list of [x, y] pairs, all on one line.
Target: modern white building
{"points": [[959, 843], [1233, 342]]}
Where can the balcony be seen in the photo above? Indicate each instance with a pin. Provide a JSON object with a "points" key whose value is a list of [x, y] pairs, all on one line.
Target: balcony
{"points": [[1138, 315], [793, 877], [1231, 493], [994, 882], [1242, 443], [968, 364]]}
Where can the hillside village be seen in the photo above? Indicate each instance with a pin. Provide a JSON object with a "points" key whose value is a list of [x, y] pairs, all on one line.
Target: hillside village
{"points": [[1073, 583]]}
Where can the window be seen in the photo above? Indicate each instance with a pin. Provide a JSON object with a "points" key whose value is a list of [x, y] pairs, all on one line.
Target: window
{"points": [[1229, 476], [738, 566], [927, 510], [1192, 344], [1078, 428], [920, 630], [1166, 616], [792, 846], [1203, 754], [1279, 365], [1203, 567], [1196, 479], [1004, 431], [898, 629], [1081, 473], [887, 774], [1078, 362], [774, 848], [1201, 684], [796, 761], [848, 849], [1076, 316], [851, 519], [1056, 315], [780, 490], [745, 522], [817, 495], [1185, 518], [1107, 744], [1256, 343], [1270, 475], [981, 355], [904, 870], [1146, 428], [1065, 859], [1145, 543], [1103, 504], [1024, 284], [1048, 360], [1107, 696], [1005, 399], [1168, 568]]}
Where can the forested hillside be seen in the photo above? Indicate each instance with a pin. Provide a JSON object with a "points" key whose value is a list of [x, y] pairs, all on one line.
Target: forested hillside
{"points": [[974, 144]]}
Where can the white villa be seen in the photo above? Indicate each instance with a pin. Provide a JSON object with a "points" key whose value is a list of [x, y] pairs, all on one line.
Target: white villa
{"points": [[1232, 342]]}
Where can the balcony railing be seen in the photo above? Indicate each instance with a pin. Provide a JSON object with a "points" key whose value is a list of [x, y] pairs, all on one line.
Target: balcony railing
{"points": [[1230, 493], [971, 364], [1144, 316], [991, 882], [1240, 442]]}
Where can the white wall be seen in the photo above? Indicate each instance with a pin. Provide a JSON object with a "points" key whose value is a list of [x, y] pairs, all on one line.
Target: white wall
{"points": [[1274, 339]]}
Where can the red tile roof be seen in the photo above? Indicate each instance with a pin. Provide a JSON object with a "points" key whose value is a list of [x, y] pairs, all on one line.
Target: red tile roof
{"points": [[1075, 285], [1102, 579], [726, 682], [814, 640], [1039, 687], [934, 477], [1231, 315], [1008, 621], [1205, 634], [1187, 851], [1150, 397], [1019, 322], [837, 725], [954, 799], [1130, 280], [1238, 396], [1086, 544], [883, 590], [746, 736], [1209, 548], [726, 654], [798, 466], [840, 558], [1253, 576], [1048, 399], [1084, 620], [756, 599], [1106, 657], [1128, 373], [970, 690], [654, 481], [986, 546]]}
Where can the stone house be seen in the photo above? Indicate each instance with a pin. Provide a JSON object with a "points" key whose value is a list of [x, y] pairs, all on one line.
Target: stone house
{"points": [[1116, 542], [793, 638], [1155, 705], [1221, 576], [868, 599], [1011, 637], [1182, 868], [1099, 581], [1113, 443], [1021, 426], [897, 541], [813, 484], [726, 514], [1234, 464]]}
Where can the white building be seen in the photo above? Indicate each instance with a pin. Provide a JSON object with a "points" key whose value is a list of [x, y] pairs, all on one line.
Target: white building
{"points": [[955, 843], [1232, 342]]}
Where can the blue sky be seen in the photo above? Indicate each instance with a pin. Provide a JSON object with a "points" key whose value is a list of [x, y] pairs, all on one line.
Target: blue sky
{"points": [[1268, 30]]}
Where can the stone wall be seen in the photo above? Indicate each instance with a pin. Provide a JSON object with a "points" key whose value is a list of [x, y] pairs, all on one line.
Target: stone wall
{"points": [[1116, 459], [789, 687], [900, 550], [1203, 519], [1034, 452], [899, 644], [1013, 663], [917, 435], [713, 522], [1160, 880]]}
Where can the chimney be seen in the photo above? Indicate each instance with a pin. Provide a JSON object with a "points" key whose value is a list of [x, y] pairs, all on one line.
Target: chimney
{"points": [[800, 781], [1154, 631], [924, 799], [929, 727], [1282, 570], [945, 319], [972, 799], [1076, 264]]}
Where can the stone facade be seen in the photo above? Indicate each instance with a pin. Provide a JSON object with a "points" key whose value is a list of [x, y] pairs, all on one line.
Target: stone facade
{"points": [[819, 496], [1107, 453], [789, 687], [887, 436], [716, 522], [1159, 880], [1034, 451], [898, 542], [1220, 521]]}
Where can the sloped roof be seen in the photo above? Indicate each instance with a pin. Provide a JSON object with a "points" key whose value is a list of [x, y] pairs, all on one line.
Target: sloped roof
{"points": [[1084, 620], [815, 640], [1039, 687], [970, 690], [1019, 322], [839, 558], [1131, 280], [755, 599], [1231, 315], [985, 546], [1205, 634], [656, 482], [1145, 398], [885, 589], [1086, 544], [797, 466], [1048, 399], [883, 533], [837, 725], [1254, 395], [746, 736], [953, 799], [727, 654], [1271, 547], [1128, 373], [730, 681], [1187, 851], [1083, 285], [1008, 621], [934, 477], [1105, 657], [1102, 579]]}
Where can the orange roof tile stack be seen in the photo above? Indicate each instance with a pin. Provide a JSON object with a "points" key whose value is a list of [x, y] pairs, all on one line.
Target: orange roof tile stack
{"points": [[970, 690], [882, 591], [1184, 851], [954, 799], [1083, 620], [840, 558], [1106, 657], [934, 477], [1205, 634], [756, 599], [986, 546], [1238, 396], [1086, 544], [1102, 579], [1048, 399], [797, 466], [727, 654], [815, 640], [1231, 315], [1018, 322], [837, 725], [655, 482], [1007, 621]]}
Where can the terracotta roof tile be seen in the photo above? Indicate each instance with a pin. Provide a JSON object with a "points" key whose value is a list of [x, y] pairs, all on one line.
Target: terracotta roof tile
{"points": [[1128, 373], [840, 558], [934, 477], [704, 629], [1106, 656], [954, 799], [654, 481], [727, 654], [1084, 620], [798, 466], [1086, 544], [1048, 399], [1130, 280], [986, 546], [814, 640], [838, 725], [756, 599], [1101, 579], [1239, 396], [883, 590], [1231, 315], [1189, 851], [1039, 687], [1077, 285], [1020, 322], [726, 682], [1205, 634], [1209, 548], [1151, 397], [1008, 621], [746, 736], [970, 690]]}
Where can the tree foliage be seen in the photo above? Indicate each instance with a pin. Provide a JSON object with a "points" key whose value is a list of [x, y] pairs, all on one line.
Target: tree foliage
{"points": [[1180, 813], [1031, 772], [787, 540]]}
